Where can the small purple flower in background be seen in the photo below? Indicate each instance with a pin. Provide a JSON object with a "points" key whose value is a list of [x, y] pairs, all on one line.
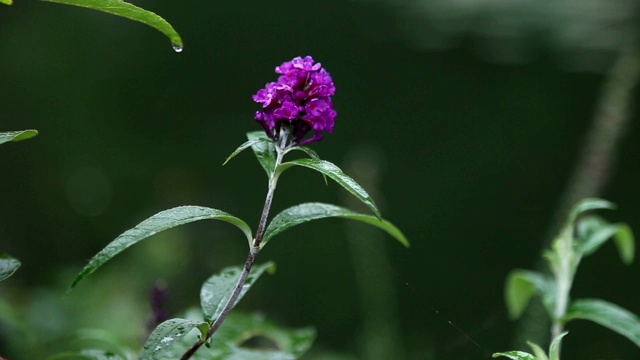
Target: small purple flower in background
{"points": [[300, 101]]}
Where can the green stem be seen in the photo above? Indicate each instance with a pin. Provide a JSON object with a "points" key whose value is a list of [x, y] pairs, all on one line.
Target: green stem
{"points": [[564, 268], [253, 252]]}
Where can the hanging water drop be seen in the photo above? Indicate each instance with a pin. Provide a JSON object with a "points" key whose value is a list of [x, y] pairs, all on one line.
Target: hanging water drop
{"points": [[177, 48]]}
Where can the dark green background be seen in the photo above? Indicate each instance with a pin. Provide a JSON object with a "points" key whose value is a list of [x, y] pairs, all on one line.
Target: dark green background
{"points": [[474, 158]]}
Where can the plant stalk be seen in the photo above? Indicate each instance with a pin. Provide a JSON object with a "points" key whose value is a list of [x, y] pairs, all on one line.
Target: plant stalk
{"points": [[253, 252]]}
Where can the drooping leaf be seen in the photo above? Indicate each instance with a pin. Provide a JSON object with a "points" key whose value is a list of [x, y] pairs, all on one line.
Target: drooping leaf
{"points": [[265, 151], [132, 12], [334, 172], [161, 221], [594, 231], [167, 334], [302, 213], [554, 349], [521, 286], [309, 151], [241, 148], [216, 291], [17, 135], [588, 204], [8, 266], [516, 355], [608, 315]]}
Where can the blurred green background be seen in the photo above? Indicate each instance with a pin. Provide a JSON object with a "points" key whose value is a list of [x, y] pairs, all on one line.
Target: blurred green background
{"points": [[470, 116]]}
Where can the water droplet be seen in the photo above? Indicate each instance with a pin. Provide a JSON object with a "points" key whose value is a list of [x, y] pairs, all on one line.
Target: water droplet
{"points": [[177, 48]]}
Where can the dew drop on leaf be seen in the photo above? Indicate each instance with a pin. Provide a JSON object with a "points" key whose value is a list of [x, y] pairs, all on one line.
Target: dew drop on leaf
{"points": [[177, 48]]}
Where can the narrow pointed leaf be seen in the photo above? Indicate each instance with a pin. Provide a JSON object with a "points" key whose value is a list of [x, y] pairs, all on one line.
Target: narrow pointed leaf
{"points": [[588, 205], [608, 315], [537, 351], [8, 266], [312, 154], [17, 135], [243, 147], [216, 291], [521, 286], [554, 349], [314, 211], [129, 11], [265, 151], [309, 151], [594, 231], [161, 221], [334, 172], [515, 355], [165, 335]]}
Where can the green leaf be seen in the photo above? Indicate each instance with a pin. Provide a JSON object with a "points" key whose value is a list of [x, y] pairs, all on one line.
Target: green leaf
{"points": [[285, 343], [588, 204], [309, 151], [165, 335], [521, 286], [554, 349], [537, 351], [302, 213], [8, 266], [87, 354], [608, 315], [264, 150], [243, 147], [8, 2], [17, 135], [594, 231], [334, 172], [161, 221], [131, 12], [516, 355], [216, 291]]}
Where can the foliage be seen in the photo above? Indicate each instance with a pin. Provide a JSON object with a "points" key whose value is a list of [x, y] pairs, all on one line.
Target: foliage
{"points": [[582, 235], [128, 11], [222, 291]]}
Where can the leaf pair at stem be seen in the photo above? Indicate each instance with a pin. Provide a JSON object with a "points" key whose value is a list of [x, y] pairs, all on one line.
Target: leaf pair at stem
{"points": [[221, 292]]}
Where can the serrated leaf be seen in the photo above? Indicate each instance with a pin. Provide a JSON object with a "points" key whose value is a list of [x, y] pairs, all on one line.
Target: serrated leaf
{"points": [[302, 213], [165, 335], [334, 172], [131, 12], [537, 351], [608, 315], [588, 204], [161, 221], [17, 135], [243, 147], [554, 349], [8, 266], [216, 291], [515, 355], [594, 231], [264, 150], [521, 286]]}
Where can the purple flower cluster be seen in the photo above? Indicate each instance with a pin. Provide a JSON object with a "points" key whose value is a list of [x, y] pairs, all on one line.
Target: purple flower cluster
{"points": [[300, 100]]}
